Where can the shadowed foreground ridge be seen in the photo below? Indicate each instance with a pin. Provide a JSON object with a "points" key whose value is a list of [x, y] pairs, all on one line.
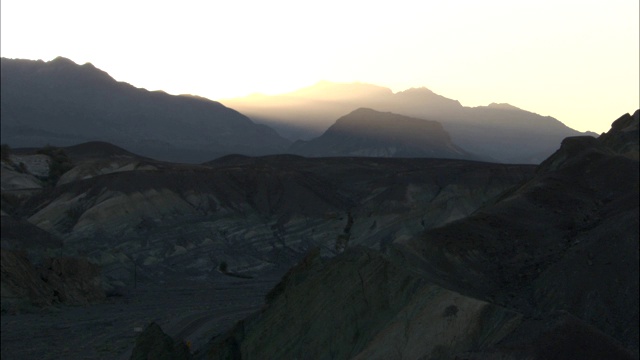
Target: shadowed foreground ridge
{"points": [[548, 271]]}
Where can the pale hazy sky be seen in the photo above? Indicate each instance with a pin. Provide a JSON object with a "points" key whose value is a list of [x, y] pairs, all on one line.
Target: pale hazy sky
{"points": [[577, 61]]}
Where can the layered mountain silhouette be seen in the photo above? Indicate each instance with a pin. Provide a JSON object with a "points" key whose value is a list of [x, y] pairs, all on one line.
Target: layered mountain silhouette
{"points": [[498, 131], [62, 103], [392, 243], [366, 132]]}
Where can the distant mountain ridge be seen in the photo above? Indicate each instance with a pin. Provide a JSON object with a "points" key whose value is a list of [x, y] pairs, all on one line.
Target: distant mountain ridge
{"points": [[499, 131], [62, 103], [366, 132]]}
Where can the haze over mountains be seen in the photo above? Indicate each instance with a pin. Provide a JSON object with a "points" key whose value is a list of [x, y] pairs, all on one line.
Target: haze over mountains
{"points": [[366, 132], [498, 131], [62, 103]]}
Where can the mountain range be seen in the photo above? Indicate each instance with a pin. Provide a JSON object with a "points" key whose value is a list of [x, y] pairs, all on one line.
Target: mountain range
{"points": [[62, 103], [500, 132]]}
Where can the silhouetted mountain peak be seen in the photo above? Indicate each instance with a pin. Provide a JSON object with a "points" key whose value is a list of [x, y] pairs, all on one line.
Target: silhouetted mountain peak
{"points": [[62, 61], [623, 137], [503, 106], [367, 132], [62, 103], [368, 119]]}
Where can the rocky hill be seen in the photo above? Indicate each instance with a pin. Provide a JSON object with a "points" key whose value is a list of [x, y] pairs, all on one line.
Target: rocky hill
{"points": [[549, 270], [62, 103], [255, 214], [498, 131], [366, 132]]}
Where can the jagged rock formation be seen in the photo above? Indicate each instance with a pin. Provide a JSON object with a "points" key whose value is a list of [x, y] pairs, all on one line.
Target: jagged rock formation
{"points": [[624, 137], [63, 280], [62, 103], [547, 270], [497, 131], [153, 343], [366, 132]]}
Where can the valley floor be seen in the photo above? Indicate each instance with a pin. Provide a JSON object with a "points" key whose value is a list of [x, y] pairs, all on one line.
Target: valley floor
{"points": [[192, 311]]}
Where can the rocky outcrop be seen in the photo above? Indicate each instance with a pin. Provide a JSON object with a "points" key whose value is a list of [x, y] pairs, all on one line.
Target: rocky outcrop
{"points": [[68, 281], [623, 136], [24, 172], [22, 287], [622, 139], [75, 281], [153, 343], [364, 307]]}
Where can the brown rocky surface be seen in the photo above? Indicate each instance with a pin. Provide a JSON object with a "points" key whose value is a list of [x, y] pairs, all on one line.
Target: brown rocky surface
{"points": [[22, 287], [69, 281]]}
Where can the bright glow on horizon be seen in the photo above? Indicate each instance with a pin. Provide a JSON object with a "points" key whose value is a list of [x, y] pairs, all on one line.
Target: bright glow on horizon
{"points": [[577, 61]]}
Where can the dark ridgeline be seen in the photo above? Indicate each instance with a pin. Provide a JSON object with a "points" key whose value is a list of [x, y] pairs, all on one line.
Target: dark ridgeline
{"points": [[62, 103]]}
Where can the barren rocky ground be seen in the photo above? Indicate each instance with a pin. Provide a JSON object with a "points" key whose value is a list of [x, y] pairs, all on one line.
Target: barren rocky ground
{"points": [[185, 310]]}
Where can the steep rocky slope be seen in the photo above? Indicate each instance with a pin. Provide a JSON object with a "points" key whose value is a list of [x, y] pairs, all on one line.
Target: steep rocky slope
{"points": [[62, 103], [366, 132], [549, 270], [61, 280]]}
